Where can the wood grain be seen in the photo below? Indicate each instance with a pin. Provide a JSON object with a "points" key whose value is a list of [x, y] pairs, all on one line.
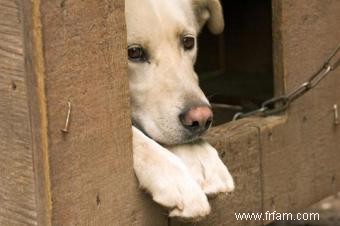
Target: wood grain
{"points": [[301, 157], [78, 54], [17, 190]]}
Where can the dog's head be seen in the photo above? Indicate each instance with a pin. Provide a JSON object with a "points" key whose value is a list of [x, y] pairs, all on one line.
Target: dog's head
{"points": [[166, 101]]}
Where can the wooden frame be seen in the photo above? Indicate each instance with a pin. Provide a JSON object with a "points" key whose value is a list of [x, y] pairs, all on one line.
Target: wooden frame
{"points": [[52, 52]]}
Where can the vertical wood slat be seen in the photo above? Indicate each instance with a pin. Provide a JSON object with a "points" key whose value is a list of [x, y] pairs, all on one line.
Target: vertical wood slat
{"points": [[34, 64], [77, 53], [301, 157], [17, 190]]}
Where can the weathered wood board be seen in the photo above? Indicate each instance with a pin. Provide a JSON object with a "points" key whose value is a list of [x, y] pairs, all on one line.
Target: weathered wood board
{"points": [[17, 190], [79, 52], [300, 158], [68, 189]]}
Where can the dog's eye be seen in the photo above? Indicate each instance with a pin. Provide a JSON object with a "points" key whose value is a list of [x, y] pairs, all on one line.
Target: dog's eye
{"points": [[136, 53], [188, 42]]}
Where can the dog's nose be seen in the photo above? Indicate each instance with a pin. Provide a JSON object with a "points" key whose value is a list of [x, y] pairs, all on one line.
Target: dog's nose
{"points": [[197, 119]]}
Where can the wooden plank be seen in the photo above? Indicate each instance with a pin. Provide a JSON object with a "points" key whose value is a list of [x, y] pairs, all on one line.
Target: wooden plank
{"points": [[17, 197], [238, 146], [37, 110], [301, 157], [78, 54]]}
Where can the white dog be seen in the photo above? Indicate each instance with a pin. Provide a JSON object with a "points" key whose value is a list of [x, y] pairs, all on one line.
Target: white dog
{"points": [[169, 110]]}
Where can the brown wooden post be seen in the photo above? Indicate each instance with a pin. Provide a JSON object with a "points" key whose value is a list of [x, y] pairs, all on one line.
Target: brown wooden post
{"points": [[17, 189], [52, 53], [301, 156], [79, 55]]}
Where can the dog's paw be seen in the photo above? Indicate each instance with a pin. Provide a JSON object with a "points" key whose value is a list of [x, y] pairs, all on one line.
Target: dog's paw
{"points": [[185, 200], [217, 178], [167, 179], [206, 167]]}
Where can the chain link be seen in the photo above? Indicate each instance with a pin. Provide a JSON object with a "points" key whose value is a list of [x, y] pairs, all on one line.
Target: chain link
{"points": [[281, 103]]}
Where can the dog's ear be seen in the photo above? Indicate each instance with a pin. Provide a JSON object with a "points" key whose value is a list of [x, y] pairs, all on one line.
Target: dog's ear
{"points": [[210, 12]]}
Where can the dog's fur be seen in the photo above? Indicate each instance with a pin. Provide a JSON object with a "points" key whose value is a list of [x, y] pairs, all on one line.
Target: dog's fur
{"points": [[177, 175]]}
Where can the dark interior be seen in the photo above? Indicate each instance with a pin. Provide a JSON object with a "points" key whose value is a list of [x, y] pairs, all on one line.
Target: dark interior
{"points": [[236, 67]]}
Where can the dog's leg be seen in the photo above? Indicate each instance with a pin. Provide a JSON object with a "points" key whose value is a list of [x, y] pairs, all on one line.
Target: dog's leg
{"points": [[205, 166], [168, 180]]}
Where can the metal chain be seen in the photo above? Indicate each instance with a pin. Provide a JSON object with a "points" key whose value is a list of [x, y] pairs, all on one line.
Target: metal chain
{"points": [[281, 103]]}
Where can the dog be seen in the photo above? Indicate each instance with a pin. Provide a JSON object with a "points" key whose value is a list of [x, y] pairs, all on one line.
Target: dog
{"points": [[169, 110]]}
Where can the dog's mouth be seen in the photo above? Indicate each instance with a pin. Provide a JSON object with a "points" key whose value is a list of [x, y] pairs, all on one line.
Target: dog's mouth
{"points": [[187, 136], [184, 138], [192, 138]]}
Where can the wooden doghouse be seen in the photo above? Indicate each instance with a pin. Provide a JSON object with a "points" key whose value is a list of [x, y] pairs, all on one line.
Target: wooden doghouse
{"points": [[53, 52]]}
